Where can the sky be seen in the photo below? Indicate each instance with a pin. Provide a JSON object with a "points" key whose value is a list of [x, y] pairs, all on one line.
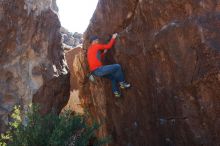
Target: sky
{"points": [[76, 14]]}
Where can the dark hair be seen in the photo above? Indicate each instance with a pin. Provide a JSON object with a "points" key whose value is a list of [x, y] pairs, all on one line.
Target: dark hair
{"points": [[92, 38]]}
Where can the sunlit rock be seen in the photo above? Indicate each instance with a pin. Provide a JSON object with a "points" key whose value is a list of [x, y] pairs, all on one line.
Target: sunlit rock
{"points": [[30, 45]]}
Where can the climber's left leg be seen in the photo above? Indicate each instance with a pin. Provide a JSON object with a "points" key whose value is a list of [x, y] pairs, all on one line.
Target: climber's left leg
{"points": [[115, 89]]}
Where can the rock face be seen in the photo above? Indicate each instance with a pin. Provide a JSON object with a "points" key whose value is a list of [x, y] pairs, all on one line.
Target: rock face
{"points": [[76, 63], [170, 53], [70, 40], [31, 58]]}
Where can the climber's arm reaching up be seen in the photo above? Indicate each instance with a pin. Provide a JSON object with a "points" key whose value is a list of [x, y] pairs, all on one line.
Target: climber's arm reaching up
{"points": [[109, 45]]}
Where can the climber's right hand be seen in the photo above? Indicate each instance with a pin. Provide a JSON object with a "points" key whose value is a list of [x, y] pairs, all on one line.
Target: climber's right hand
{"points": [[114, 35], [105, 51]]}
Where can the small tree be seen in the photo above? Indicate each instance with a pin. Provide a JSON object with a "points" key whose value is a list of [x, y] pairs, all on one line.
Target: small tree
{"points": [[65, 129]]}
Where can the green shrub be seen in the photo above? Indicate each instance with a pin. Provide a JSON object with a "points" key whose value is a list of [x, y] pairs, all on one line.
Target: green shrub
{"points": [[49, 130]]}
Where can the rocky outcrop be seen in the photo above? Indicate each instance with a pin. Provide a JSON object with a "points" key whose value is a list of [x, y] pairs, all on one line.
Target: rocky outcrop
{"points": [[78, 70], [31, 58], [70, 40], [170, 53]]}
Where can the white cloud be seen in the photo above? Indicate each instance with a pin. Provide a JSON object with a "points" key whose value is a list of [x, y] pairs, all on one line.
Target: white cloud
{"points": [[76, 14]]}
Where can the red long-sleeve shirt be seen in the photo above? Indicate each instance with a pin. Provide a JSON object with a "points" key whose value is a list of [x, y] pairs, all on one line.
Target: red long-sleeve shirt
{"points": [[94, 54]]}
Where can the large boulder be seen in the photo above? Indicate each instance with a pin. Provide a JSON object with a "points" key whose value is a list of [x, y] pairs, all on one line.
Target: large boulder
{"points": [[70, 40], [76, 61], [170, 53], [32, 61]]}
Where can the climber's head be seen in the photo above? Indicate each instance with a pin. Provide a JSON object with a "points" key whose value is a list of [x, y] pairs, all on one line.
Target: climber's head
{"points": [[94, 39]]}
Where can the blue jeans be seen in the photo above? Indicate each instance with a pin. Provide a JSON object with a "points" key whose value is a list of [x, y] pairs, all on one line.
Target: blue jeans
{"points": [[112, 72]]}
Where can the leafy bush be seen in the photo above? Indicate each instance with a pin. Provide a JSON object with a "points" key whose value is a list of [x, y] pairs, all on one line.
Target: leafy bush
{"points": [[49, 130]]}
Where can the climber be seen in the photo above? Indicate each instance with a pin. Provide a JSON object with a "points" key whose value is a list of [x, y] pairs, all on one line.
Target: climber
{"points": [[112, 72]]}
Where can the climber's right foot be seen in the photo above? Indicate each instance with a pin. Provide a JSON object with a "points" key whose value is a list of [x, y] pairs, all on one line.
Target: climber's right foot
{"points": [[124, 85]]}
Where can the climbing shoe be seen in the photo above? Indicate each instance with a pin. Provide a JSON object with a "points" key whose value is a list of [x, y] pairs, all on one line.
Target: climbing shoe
{"points": [[124, 85], [117, 94]]}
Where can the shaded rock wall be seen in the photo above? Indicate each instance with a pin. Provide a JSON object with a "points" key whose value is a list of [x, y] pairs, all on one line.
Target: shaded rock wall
{"points": [[31, 58], [170, 52]]}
